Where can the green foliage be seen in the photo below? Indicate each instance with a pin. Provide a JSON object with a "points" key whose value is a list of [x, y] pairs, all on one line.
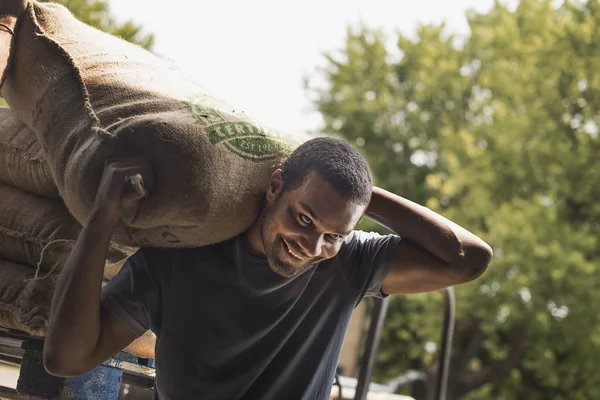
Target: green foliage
{"points": [[499, 132], [97, 14]]}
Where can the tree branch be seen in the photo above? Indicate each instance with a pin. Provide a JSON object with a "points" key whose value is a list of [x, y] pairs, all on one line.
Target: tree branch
{"points": [[476, 338], [501, 368]]}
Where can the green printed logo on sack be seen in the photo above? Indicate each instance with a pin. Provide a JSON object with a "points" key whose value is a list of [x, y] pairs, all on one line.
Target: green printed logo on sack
{"points": [[241, 136]]}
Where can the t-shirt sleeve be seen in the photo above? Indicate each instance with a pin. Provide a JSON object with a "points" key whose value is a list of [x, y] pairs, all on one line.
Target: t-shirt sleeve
{"points": [[134, 294], [366, 257]]}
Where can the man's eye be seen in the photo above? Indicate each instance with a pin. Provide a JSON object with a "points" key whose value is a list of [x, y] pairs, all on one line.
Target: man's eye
{"points": [[334, 237], [305, 219]]}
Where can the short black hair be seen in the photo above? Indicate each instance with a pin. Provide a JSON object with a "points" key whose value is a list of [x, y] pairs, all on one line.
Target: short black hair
{"points": [[334, 160]]}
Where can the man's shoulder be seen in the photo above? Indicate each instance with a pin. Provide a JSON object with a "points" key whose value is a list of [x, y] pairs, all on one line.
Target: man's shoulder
{"points": [[217, 252], [187, 250], [360, 243], [357, 237]]}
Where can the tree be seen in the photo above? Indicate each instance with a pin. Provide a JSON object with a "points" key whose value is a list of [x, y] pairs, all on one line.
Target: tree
{"points": [[499, 132]]}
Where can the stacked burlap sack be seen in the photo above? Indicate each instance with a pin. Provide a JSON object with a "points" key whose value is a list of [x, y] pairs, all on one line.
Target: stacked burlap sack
{"points": [[37, 234], [79, 97]]}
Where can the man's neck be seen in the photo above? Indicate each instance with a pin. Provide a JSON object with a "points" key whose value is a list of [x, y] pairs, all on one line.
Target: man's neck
{"points": [[253, 237]]}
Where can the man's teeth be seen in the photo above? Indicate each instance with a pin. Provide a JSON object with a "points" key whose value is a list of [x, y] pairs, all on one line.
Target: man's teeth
{"points": [[293, 253]]}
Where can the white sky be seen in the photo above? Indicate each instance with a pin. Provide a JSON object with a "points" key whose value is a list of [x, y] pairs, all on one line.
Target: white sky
{"points": [[255, 53]]}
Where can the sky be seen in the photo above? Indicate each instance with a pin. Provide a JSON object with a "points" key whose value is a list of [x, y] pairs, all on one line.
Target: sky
{"points": [[255, 54]]}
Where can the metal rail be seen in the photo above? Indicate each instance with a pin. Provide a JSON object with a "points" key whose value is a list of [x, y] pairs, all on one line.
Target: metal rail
{"points": [[445, 350], [365, 373], [34, 382], [374, 338], [9, 394]]}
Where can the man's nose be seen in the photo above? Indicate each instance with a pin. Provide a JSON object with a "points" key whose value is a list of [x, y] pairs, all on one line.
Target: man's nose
{"points": [[312, 245]]}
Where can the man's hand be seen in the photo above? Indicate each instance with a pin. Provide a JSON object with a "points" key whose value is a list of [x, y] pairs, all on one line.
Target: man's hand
{"points": [[13, 8], [114, 184], [10, 11]]}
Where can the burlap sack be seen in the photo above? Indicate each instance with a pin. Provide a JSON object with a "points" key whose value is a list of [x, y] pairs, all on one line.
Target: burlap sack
{"points": [[90, 96], [40, 232], [143, 346], [24, 302], [25, 305], [22, 161]]}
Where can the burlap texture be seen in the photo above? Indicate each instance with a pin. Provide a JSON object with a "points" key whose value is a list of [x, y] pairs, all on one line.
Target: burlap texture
{"points": [[24, 302], [90, 96], [22, 161], [25, 305], [143, 346], [39, 231]]}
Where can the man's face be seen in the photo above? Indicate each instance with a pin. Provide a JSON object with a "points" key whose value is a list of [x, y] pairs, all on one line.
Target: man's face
{"points": [[305, 225]]}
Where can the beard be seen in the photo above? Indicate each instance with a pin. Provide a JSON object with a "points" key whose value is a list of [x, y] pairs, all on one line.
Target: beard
{"points": [[274, 251]]}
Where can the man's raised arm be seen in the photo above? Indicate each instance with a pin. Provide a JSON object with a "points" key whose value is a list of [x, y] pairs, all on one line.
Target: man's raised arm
{"points": [[435, 253], [81, 334]]}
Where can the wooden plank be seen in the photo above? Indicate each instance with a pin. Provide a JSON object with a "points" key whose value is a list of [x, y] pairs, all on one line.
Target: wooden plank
{"points": [[10, 351], [10, 342]]}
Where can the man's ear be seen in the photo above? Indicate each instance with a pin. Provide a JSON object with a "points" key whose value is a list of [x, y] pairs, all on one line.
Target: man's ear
{"points": [[275, 186]]}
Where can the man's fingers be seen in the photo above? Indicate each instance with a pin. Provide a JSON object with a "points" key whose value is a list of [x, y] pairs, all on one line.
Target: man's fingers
{"points": [[132, 172], [122, 162], [137, 184], [121, 168], [13, 8]]}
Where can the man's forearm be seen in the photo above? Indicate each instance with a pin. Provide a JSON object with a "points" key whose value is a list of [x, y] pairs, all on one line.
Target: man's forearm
{"points": [[75, 315], [423, 227]]}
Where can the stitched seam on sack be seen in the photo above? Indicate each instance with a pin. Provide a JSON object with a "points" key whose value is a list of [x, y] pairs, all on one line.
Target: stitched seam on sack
{"points": [[102, 133]]}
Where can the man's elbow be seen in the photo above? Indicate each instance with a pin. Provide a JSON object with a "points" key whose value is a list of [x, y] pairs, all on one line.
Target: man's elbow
{"points": [[476, 261], [62, 367]]}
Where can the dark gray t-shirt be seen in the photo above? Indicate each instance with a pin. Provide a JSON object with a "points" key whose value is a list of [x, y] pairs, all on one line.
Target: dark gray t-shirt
{"points": [[228, 327]]}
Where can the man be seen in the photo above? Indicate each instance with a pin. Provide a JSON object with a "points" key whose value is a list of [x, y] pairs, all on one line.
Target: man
{"points": [[263, 315]]}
